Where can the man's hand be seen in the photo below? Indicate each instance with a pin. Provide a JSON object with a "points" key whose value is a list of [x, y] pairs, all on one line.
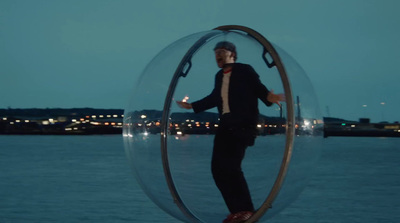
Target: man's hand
{"points": [[275, 98], [184, 104]]}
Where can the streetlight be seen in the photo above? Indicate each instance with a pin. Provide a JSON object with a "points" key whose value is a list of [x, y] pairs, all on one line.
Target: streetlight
{"points": [[383, 111], [365, 106]]}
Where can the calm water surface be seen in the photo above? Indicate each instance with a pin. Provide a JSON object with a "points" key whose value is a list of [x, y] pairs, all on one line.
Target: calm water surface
{"points": [[87, 179]]}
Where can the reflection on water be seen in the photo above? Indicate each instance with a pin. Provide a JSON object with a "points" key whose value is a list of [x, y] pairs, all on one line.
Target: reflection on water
{"points": [[86, 179]]}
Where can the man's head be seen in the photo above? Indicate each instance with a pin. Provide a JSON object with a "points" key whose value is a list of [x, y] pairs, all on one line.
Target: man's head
{"points": [[225, 53]]}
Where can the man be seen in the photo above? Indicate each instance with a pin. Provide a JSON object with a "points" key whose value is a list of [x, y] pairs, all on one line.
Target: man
{"points": [[235, 94]]}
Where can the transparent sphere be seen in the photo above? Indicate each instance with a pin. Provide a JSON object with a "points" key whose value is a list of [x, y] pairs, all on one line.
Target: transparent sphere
{"points": [[169, 148]]}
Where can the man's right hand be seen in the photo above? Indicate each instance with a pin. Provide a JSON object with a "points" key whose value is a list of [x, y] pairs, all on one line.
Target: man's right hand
{"points": [[184, 105]]}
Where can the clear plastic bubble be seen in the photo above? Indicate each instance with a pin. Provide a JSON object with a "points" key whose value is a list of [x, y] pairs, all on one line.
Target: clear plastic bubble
{"points": [[169, 149]]}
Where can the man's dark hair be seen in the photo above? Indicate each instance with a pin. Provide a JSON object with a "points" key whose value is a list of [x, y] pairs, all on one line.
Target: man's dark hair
{"points": [[227, 46]]}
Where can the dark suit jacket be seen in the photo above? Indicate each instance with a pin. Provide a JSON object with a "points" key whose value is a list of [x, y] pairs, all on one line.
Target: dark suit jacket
{"points": [[245, 88]]}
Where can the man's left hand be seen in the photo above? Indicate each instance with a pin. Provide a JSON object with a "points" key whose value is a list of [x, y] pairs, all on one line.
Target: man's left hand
{"points": [[276, 98]]}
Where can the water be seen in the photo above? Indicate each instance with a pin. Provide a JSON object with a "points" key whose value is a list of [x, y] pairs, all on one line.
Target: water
{"points": [[87, 179]]}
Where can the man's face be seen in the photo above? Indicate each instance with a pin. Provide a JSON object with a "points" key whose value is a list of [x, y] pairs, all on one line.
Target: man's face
{"points": [[223, 56]]}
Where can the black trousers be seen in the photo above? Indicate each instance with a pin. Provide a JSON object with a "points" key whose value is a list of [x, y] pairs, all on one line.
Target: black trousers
{"points": [[230, 145]]}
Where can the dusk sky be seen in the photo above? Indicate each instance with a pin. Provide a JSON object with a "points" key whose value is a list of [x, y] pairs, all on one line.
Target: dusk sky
{"points": [[89, 53]]}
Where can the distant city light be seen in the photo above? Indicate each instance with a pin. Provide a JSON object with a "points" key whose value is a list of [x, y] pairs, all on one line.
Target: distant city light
{"points": [[143, 116]]}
